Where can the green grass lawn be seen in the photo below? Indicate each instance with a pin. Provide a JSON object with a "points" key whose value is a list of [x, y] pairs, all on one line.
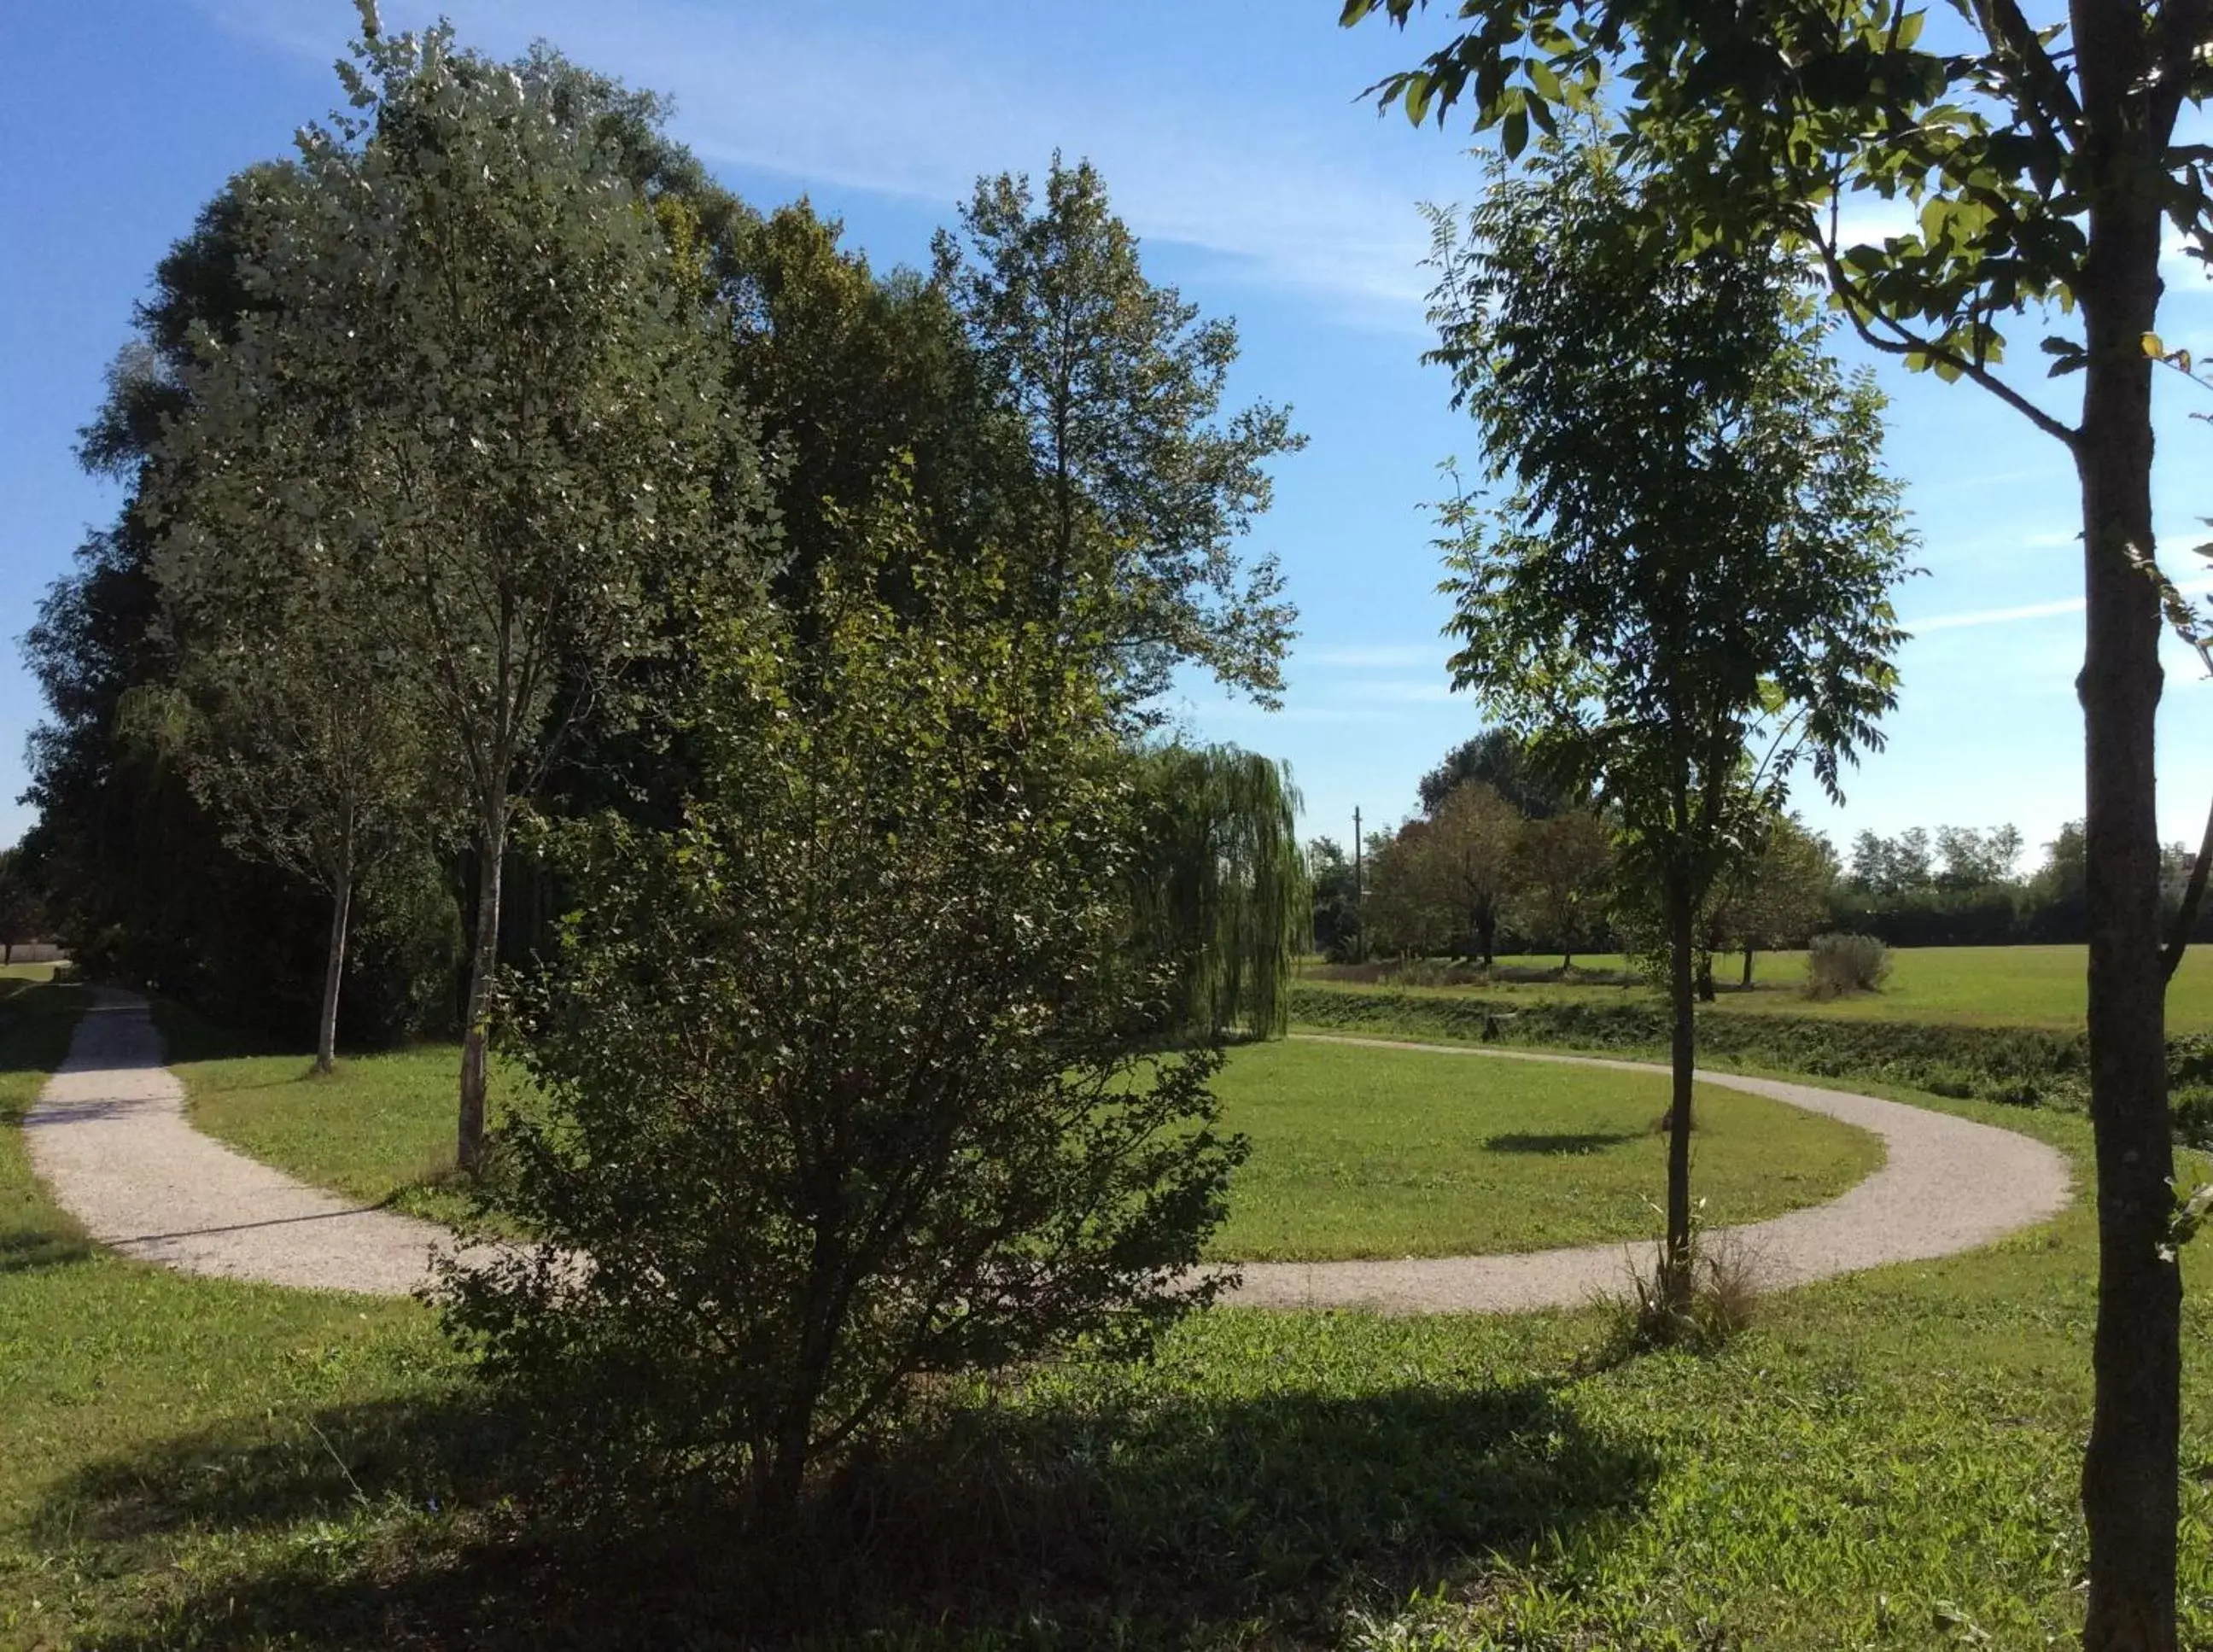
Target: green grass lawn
{"points": [[1886, 1461], [1990, 986], [1355, 1152], [1367, 1152]]}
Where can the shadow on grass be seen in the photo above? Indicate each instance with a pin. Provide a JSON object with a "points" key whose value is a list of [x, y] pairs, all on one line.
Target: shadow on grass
{"points": [[1165, 1523], [30, 1249], [35, 1026], [1563, 1142]]}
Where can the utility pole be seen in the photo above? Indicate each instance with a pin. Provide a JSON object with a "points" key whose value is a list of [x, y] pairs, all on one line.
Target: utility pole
{"points": [[1359, 890]]}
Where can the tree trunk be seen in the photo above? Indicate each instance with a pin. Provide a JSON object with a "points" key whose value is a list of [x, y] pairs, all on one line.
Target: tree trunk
{"points": [[1485, 928], [1746, 983], [326, 1027], [492, 849], [1683, 1057], [2129, 1472]]}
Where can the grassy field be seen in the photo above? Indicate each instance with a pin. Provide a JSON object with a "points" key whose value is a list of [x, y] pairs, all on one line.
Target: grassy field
{"points": [[1355, 1152], [1887, 1462], [1990, 986]]}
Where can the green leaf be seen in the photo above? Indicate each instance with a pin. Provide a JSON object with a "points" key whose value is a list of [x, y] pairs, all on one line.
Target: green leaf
{"points": [[1514, 132]]}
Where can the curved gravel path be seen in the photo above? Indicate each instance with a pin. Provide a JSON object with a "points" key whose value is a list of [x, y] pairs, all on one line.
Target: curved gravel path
{"points": [[111, 1138], [1948, 1185]]}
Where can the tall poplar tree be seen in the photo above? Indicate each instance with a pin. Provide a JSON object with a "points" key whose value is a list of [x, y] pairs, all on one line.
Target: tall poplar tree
{"points": [[482, 378]]}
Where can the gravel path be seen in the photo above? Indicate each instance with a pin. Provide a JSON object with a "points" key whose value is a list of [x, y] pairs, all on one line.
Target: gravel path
{"points": [[1948, 1185], [111, 1138]]}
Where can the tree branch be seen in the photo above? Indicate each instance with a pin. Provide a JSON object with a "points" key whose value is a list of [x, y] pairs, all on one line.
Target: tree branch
{"points": [[1858, 307], [2193, 897], [2049, 97]]}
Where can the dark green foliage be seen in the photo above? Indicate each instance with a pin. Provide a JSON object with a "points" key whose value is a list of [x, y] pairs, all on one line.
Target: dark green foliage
{"points": [[846, 1081], [1503, 759], [1219, 887], [1333, 878]]}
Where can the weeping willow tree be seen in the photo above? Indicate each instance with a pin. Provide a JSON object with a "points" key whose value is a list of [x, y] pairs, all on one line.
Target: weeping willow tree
{"points": [[1220, 885]]}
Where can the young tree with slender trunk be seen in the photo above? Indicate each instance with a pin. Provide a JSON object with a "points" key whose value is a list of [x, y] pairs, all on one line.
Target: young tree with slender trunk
{"points": [[2046, 162], [291, 726], [1684, 593], [509, 426]]}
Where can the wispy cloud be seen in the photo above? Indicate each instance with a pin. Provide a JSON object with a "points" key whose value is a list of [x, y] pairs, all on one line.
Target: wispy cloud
{"points": [[1380, 657], [811, 96], [1980, 617]]}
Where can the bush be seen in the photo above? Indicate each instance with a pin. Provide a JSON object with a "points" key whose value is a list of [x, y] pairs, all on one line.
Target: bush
{"points": [[845, 1081], [2192, 1110], [1839, 964]]}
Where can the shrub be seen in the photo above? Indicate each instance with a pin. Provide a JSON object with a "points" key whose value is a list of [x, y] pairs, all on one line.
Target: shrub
{"points": [[846, 1081], [1837, 964], [2192, 1111]]}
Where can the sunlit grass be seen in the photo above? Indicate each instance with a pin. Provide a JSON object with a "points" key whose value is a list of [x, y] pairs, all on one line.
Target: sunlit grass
{"points": [[1355, 1152], [1990, 986], [1885, 1461]]}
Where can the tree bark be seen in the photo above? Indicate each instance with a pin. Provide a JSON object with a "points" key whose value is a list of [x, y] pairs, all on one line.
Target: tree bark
{"points": [[2129, 1471], [326, 1026], [1746, 983], [1682, 1058], [491, 851]]}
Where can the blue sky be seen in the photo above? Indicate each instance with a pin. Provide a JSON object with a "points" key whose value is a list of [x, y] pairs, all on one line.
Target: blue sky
{"points": [[1231, 139]]}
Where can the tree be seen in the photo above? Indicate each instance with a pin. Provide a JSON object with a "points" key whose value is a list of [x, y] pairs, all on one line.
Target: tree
{"points": [[1500, 759], [1686, 593], [1220, 888], [1892, 865], [849, 1079], [1139, 491], [1468, 865], [1972, 859], [1562, 867], [1781, 899], [1331, 875], [484, 383], [2044, 165], [21, 912], [293, 727], [1401, 913]]}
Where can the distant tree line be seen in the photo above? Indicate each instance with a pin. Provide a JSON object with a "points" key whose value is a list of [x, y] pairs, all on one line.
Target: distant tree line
{"points": [[1499, 860], [1962, 887]]}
